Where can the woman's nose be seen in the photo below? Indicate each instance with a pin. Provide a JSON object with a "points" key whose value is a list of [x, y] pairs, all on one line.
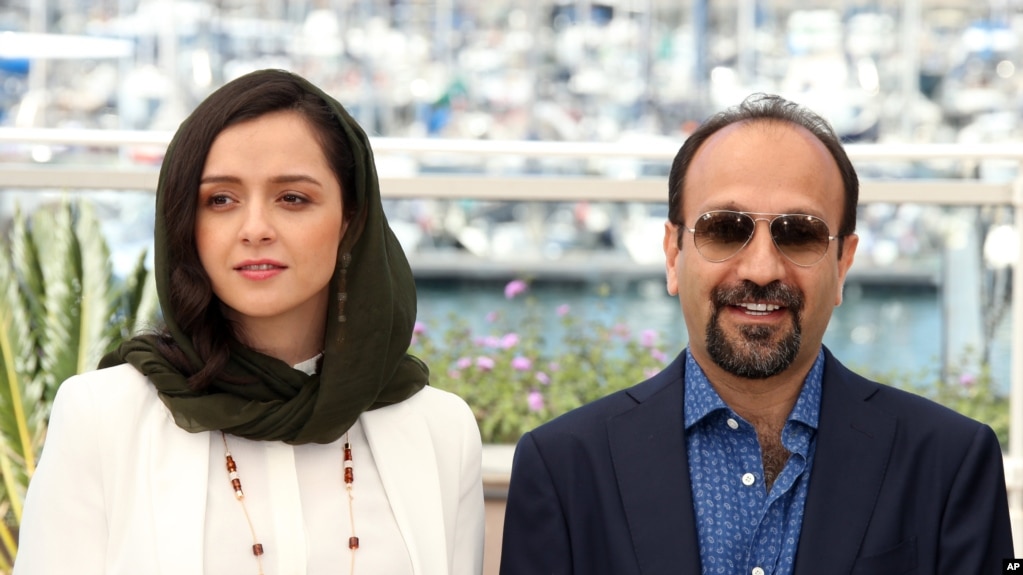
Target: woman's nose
{"points": [[257, 227]]}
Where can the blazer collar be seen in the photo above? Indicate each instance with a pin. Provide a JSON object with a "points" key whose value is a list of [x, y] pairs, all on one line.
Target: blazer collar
{"points": [[401, 443], [648, 453], [854, 443]]}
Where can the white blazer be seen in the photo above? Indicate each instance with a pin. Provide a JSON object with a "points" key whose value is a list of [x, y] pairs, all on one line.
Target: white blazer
{"points": [[121, 489]]}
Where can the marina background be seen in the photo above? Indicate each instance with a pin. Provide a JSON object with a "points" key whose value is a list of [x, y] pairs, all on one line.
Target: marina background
{"points": [[530, 140]]}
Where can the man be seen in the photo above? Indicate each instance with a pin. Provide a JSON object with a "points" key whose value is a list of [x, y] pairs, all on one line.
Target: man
{"points": [[756, 452]]}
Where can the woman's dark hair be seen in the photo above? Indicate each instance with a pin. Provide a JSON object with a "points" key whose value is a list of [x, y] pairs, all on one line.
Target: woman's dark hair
{"points": [[196, 308], [767, 108]]}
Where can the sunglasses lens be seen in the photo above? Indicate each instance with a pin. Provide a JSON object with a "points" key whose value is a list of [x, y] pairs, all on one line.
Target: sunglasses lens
{"points": [[720, 235], [803, 239]]}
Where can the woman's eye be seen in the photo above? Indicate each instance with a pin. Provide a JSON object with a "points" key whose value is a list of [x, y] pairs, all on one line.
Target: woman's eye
{"points": [[292, 199], [218, 200]]}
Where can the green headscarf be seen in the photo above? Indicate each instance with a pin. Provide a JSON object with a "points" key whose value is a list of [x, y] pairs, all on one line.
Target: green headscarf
{"points": [[369, 327]]}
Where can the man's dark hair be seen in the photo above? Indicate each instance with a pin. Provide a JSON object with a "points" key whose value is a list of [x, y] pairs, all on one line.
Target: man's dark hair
{"points": [[767, 108]]}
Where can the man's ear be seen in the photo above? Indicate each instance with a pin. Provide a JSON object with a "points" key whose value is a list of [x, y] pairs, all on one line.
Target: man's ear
{"points": [[671, 253], [849, 244]]}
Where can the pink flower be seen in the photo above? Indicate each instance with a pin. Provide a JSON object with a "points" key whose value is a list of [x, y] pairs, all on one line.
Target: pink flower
{"points": [[509, 340], [658, 355], [543, 378], [563, 310], [463, 362], [490, 341], [967, 380], [553, 366], [492, 316], [535, 400], [514, 288], [650, 372], [621, 330], [485, 363], [520, 363], [454, 374], [648, 338]]}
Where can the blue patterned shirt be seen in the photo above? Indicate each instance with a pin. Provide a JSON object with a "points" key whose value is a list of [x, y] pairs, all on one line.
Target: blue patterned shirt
{"points": [[743, 529]]}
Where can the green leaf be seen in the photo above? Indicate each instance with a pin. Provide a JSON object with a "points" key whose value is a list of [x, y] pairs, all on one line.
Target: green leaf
{"points": [[96, 296], [138, 300], [53, 233]]}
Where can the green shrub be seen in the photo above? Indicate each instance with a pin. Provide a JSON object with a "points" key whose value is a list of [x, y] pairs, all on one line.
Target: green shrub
{"points": [[515, 378], [965, 386]]}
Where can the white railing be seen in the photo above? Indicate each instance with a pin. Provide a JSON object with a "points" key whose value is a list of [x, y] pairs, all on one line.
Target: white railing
{"points": [[403, 183]]}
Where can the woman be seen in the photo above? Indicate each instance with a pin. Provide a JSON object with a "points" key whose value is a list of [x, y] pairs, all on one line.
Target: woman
{"points": [[277, 423]]}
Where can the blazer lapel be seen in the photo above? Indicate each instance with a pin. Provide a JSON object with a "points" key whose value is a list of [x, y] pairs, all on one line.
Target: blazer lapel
{"points": [[854, 442], [649, 456], [400, 440], [179, 476]]}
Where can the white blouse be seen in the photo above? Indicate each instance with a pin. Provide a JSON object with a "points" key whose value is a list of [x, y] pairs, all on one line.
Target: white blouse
{"points": [[296, 498]]}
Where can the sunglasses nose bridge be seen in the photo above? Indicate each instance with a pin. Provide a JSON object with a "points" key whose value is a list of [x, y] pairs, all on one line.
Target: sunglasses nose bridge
{"points": [[770, 227], [773, 233]]}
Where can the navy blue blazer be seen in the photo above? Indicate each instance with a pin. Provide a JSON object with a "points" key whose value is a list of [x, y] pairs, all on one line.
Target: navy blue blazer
{"points": [[899, 484]]}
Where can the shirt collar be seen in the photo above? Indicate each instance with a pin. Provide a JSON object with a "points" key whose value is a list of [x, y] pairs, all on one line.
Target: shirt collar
{"points": [[308, 366], [701, 399]]}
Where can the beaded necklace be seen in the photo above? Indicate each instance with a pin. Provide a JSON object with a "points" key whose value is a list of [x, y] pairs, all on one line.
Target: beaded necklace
{"points": [[239, 495]]}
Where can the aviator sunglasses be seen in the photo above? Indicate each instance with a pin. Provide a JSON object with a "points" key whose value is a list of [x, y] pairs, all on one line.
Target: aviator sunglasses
{"points": [[721, 234]]}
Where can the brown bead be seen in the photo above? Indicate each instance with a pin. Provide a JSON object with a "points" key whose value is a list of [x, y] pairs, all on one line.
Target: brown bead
{"points": [[348, 452], [230, 464], [257, 549], [353, 542], [349, 476]]}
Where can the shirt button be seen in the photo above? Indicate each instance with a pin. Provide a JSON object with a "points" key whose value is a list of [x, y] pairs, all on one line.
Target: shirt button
{"points": [[732, 423], [758, 571], [747, 480]]}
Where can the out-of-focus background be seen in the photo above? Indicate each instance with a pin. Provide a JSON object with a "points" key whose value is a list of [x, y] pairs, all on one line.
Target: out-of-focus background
{"points": [[591, 70], [523, 148], [637, 74]]}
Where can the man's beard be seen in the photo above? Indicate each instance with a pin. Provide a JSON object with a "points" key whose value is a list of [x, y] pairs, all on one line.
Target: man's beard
{"points": [[757, 353]]}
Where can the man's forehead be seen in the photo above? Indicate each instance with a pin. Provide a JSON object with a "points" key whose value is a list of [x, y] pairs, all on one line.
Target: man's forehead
{"points": [[757, 129], [769, 155]]}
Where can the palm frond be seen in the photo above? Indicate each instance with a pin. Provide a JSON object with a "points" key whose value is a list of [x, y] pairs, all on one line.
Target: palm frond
{"points": [[139, 305], [22, 283], [20, 438], [10, 545], [147, 312], [14, 395], [97, 295], [61, 267], [22, 411]]}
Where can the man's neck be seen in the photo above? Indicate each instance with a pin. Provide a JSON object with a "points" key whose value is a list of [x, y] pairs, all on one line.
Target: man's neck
{"points": [[760, 402], [765, 403]]}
